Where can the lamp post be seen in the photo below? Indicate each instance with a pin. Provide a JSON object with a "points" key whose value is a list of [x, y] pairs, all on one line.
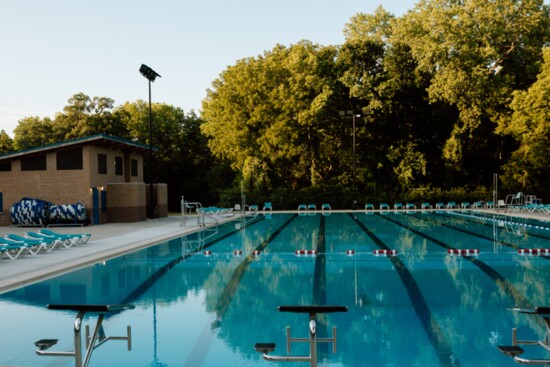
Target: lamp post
{"points": [[352, 115], [151, 75]]}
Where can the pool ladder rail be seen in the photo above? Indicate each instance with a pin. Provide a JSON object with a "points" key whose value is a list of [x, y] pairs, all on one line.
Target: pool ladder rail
{"points": [[515, 351], [97, 339], [313, 310]]}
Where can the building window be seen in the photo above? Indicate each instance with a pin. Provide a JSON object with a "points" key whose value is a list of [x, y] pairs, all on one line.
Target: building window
{"points": [[5, 166], [102, 164], [36, 163], [134, 167], [69, 159], [118, 166]]}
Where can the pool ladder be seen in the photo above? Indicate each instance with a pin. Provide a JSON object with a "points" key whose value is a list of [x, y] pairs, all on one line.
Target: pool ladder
{"points": [[266, 348], [97, 339]]}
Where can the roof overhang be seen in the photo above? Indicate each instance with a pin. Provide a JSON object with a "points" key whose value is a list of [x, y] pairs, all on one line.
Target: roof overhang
{"points": [[101, 140]]}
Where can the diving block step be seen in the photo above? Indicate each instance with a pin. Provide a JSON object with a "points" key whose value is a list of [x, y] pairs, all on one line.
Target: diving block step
{"points": [[44, 344], [511, 350], [264, 347]]}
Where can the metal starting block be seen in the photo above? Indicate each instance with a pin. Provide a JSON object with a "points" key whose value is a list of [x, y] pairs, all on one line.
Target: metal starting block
{"points": [[97, 339], [515, 351], [266, 348]]}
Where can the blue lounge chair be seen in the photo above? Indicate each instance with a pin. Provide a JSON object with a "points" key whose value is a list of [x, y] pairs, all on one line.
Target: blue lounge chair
{"points": [[311, 207], [464, 205], [326, 209], [397, 206], [451, 205], [369, 206], [440, 206], [78, 238], [267, 206], [35, 244], [384, 206], [65, 242], [490, 204], [425, 206], [478, 204], [410, 206], [302, 207], [18, 248], [11, 250]]}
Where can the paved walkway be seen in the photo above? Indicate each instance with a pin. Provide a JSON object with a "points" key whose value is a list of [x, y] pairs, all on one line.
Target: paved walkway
{"points": [[107, 241]]}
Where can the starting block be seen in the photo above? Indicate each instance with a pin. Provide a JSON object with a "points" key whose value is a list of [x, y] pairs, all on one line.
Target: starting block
{"points": [[515, 351], [97, 339], [312, 311]]}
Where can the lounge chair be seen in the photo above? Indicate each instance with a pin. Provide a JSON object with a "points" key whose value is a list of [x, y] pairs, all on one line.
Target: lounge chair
{"points": [[490, 204], [440, 205], [425, 206], [302, 207], [410, 206], [311, 207], [397, 206], [451, 205], [29, 248], [478, 204], [65, 242], [464, 205], [36, 244], [12, 252], [253, 208], [326, 209], [77, 238], [369, 206], [384, 206], [267, 206]]}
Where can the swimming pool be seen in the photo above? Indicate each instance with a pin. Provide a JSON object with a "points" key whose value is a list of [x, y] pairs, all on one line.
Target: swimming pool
{"points": [[422, 307]]}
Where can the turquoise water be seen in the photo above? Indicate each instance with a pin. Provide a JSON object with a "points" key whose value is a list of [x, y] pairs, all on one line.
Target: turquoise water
{"points": [[423, 307]]}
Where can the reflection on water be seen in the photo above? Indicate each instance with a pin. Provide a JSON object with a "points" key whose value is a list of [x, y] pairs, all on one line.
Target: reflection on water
{"points": [[422, 308]]}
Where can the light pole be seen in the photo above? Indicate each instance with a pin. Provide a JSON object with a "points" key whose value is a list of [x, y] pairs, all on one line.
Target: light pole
{"points": [[352, 115], [151, 75]]}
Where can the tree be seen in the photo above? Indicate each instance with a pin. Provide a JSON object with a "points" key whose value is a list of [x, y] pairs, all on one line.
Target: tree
{"points": [[370, 27], [32, 132], [276, 112], [477, 53], [530, 127], [182, 159], [6, 143], [85, 116]]}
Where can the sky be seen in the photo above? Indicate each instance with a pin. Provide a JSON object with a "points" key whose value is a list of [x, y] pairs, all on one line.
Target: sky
{"points": [[53, 49]]}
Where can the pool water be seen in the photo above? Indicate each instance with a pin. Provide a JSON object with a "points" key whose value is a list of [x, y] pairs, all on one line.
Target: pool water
{"points": [[422, 307]]}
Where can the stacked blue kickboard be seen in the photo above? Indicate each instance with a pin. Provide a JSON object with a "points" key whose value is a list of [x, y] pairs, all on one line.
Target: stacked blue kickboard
{"points": [[36, 212]]}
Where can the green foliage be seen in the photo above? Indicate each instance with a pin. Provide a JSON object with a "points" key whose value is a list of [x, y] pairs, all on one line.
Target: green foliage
{"points": [[6, 143], [33, 132], [477, 53], [530, 126], [277, 111]]}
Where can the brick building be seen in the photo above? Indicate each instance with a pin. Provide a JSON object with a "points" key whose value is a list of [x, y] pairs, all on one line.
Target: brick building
{"points": [[102, 172]]}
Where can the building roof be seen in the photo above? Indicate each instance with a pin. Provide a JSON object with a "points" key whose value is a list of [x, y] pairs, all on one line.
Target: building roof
{"points": [[98, 140]]}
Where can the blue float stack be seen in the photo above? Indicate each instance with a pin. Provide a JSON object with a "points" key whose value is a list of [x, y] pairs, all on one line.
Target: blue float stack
{"points": [[36, 212]]}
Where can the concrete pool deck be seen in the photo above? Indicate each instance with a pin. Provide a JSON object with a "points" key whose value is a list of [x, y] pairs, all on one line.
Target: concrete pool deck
{"points": [[112, 240], [107, 241]]}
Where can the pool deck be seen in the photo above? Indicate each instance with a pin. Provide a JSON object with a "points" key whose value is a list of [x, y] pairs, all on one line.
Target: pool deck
{"points": [[109, 241]]}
